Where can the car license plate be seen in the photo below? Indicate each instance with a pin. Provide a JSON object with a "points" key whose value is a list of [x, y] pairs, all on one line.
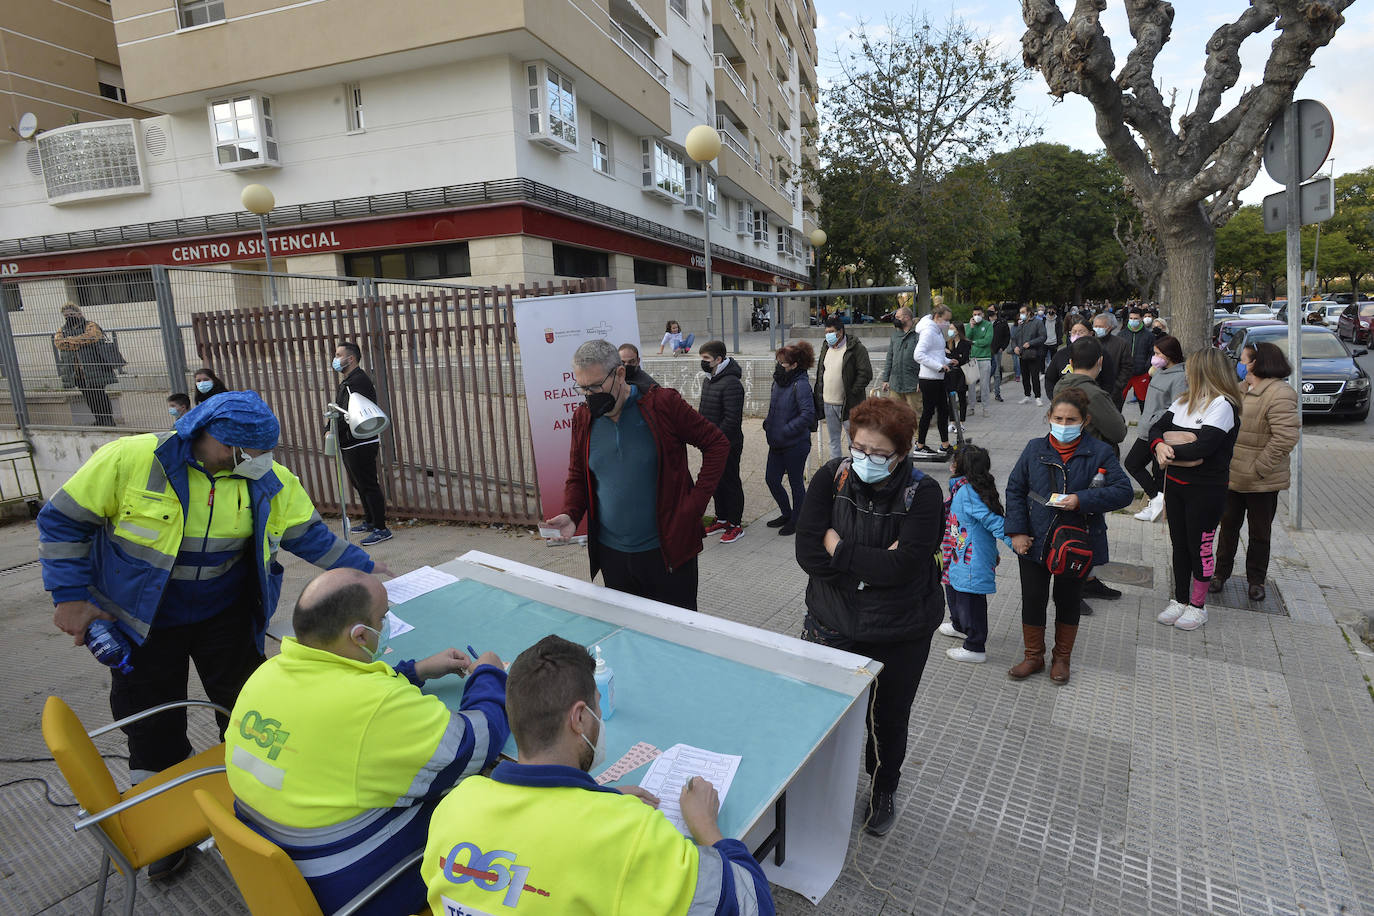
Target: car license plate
{"points": [[1319, 400]]}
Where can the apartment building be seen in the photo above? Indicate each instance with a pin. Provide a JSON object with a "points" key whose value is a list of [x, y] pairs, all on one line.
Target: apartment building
{"points": [[453, 140]]}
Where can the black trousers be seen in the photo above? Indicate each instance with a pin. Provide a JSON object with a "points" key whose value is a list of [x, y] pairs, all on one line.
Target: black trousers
{"points": [[1035, 594], [934, 402], [889, 715], [729, 495], [1138, 462], [99, 403], [644, 574], [225, 653], [1194, 512], [1032, 367], [361, 463], [1260, 509]]}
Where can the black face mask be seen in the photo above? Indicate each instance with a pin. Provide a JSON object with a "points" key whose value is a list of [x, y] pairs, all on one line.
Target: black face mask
{"points": [[707, 367], [897, 323], [600, 404], [779, 375]]}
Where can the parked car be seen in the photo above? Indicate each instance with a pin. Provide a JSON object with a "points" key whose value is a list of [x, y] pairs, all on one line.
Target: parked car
{"points": [[1223, 331], [1331, 312], [1333, 384], [1344, 298], [1277, 305], [1359, 330], [1221, 314], [1255, 310], [1308, 307]]}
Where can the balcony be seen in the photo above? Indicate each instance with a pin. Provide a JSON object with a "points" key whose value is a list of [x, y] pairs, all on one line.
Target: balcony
{"points": [[723, 63], [637, 53], [731, 137]]}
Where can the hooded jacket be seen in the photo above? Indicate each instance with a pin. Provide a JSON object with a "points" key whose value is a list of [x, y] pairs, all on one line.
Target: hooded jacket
{"points": [[930, 349], [1166, 386], [972, 531], [900, 372], [1269, 425], [791, 411], [722, 401], [1104, 420]]}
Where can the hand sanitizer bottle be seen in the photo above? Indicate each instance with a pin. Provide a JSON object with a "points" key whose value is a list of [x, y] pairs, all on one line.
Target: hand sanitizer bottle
{"points": [[605, 682]]}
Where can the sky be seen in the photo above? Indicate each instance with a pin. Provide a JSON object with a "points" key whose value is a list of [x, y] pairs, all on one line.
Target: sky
{"points": [[1342, 75]]}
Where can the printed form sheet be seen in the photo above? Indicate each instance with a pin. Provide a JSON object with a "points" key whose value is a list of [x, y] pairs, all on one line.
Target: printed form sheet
{"points": [[679, 763]]}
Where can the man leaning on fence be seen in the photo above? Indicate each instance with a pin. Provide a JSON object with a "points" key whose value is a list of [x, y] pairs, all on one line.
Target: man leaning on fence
{"points": [[174, 536], [360, 455], [628, 474]]}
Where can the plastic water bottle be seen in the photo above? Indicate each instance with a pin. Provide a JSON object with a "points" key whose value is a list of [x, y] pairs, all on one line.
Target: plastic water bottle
{"points": [[109, 646], [1099, 479], [605, 682]]}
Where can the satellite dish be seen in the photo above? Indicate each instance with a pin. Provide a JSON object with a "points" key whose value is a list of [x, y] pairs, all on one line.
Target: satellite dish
{"points": [[28, 125]]}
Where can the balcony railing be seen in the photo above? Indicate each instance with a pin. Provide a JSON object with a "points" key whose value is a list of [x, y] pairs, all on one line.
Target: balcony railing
{"points": [[638, 54], [723, 63], [731, 137]]}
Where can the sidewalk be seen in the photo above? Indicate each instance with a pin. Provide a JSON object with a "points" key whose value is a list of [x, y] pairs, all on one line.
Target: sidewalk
{"points": [[1227, 770]]}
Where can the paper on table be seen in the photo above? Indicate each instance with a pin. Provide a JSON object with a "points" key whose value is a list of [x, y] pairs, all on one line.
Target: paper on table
{"points": [[416, 583], [395, 626], [679, 763]]}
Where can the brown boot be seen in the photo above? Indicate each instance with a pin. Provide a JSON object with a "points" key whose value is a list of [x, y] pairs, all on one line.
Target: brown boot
{"points": [[1034, 638], [1064, 635]]}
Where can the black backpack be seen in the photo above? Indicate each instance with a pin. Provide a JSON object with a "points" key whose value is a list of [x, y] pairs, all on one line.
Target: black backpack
{"points": [[1068, 551]]}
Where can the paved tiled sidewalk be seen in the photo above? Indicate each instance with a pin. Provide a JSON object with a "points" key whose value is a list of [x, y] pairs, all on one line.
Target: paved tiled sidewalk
{"points": [[1226, 770]]}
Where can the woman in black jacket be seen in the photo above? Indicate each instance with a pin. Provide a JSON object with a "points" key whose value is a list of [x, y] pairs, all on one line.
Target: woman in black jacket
{"points": [[869, 534], [208, 385], [959, 350]]}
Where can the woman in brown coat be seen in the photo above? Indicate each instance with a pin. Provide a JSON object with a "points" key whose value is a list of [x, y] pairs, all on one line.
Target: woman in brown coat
{"points": [[1269, 427]]}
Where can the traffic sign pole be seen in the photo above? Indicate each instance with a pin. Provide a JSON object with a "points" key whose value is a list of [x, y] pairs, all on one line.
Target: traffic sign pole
{"points": [[1292, 142]]}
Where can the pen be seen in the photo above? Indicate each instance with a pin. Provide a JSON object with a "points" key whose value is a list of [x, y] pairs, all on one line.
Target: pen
{"points": [[472, 654]]}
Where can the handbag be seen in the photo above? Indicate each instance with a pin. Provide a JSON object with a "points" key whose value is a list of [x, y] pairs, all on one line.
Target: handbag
{"points": [[972, 373], [107, 353], [1068, 550]]}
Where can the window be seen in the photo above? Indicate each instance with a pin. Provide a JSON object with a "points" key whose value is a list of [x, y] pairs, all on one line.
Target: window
{"points": [[744, 218], [245, 132], [786, 242], [754, 92], [14, 301], [353, 107], [192, 13], [112, 92], [761, 226], [601, 146], [114, 288], [432, 262], [82, 161], [580, 262], [651, 273], [679, 7], [696, 279], [109, 80], [552, 107], [711, 194], [664, 170]]}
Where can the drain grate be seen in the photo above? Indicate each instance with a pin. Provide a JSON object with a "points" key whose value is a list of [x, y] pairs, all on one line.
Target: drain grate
{"points": [[1234, 595], [1127, 574]]}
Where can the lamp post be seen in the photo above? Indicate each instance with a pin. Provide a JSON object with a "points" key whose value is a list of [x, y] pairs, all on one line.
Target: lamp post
{"points": [[258, 199], [868, 281], [818, 239], [703, 146]]}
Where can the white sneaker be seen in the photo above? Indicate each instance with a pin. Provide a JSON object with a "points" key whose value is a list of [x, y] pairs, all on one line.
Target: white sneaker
{"points": [[960, 654], [1039, 403], [1171, 613], [1156, 507], [1192, 618], [947, 629], [1025, 400]]}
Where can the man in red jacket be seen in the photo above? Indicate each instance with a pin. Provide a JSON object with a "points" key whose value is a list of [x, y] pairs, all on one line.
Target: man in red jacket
{"points": [[627, 471]]}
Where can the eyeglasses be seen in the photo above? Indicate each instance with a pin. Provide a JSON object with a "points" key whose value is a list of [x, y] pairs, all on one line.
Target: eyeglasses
{"points": [[877, 456], [599, 386]]}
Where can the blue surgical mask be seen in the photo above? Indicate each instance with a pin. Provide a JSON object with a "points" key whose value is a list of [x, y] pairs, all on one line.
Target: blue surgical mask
{"points": [[1066, 433], [832, 338], [1241, 371], [173, 411], [1100, 332], [337, 364], [383, 639], [205, 386], [870, 470], [1135, 324]]}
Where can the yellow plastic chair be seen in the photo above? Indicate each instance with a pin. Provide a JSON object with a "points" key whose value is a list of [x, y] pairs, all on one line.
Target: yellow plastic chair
{"points": [[267, 878], [154, 818]]}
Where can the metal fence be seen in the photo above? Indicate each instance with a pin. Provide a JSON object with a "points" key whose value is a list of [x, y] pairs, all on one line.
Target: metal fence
{"points": [[447, 371]]}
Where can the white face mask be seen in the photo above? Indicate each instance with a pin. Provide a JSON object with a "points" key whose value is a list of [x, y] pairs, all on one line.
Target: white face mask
{"points": [[252, 468], [598, 749]]}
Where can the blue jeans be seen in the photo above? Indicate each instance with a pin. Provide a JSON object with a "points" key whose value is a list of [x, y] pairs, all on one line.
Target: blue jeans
{"points": [[833, 425], [790, 460], [686, 345], [969, 614], [997, 373]]}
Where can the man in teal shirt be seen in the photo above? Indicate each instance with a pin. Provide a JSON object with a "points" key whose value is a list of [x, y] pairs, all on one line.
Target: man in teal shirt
{"points": [[979, 333]]}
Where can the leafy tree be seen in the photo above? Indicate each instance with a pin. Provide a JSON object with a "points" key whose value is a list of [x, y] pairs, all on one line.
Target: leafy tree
{"points": [[1188, 178], [911, 102], [1244, 250]]}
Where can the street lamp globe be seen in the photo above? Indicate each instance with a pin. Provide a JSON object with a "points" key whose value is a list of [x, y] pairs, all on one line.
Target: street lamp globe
{"points": [[818, 238], [703, 143], [257, 199]]}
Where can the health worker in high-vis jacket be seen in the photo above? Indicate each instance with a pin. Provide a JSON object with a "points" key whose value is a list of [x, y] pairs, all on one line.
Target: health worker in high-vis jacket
{"points": [[541, 837], [174, 536], [338, 758]]}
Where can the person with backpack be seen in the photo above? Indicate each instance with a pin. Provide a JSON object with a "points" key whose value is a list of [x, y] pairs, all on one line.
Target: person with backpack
{"points": [[974, 524], [1057, 494], [868, 539], [787, 428]]}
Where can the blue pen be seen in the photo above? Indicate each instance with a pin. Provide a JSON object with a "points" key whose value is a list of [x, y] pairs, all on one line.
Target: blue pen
{"points": [[472, 654]]}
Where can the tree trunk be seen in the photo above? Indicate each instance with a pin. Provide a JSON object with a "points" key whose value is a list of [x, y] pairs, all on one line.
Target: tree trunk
{"points": [[923, 301], [1188, 242]]}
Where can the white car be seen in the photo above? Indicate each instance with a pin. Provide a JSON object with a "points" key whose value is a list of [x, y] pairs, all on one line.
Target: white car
{"points": [[1254, 310], [1331, 313]]}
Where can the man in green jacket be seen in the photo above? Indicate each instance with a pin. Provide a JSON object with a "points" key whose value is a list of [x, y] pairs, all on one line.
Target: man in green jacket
{"points": [[901, 374], [979, 334]]}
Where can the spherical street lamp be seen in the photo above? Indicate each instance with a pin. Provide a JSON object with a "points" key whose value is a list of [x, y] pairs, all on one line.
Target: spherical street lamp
{"points": [[818, 239], [703, 145], [257, 198]]}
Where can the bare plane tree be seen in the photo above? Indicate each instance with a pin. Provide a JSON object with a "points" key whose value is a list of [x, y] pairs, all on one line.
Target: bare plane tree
{"points": [[1187, 180]]}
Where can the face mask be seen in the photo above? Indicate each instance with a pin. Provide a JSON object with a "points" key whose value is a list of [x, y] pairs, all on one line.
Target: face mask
{"points": [[252, 468], [897, 323], [870, 470], [1147, 321], [600, 404], [779, 374], [1021, 318], [337, 364], [707, 367], [204, 387], [174, 412], [383, 640], [1134, 324], [1100, 332], [1241, 370], [1158, 362], [1040, 314], [950, 333], [599, 748], [1066, 433], [832, 338], [1073, 337], [977, 319]]}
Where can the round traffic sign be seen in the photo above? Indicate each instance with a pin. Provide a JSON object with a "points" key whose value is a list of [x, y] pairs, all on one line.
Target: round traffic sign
{"points": [[1315, 131]]}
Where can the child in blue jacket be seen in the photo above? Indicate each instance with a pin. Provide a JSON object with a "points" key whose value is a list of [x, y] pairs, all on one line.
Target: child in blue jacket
{"points": [[974, 524]]}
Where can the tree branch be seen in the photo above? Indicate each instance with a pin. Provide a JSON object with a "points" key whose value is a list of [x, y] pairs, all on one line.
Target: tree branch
{"points": [[1151, 22]]}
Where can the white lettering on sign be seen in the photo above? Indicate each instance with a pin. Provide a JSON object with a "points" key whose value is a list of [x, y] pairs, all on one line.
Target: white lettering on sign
{"points": [[281, 244], [8, 270], [699, 260]]}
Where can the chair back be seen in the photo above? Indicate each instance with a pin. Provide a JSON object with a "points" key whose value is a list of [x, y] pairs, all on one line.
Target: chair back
{"points": [[267, 878], [83, 768]]}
